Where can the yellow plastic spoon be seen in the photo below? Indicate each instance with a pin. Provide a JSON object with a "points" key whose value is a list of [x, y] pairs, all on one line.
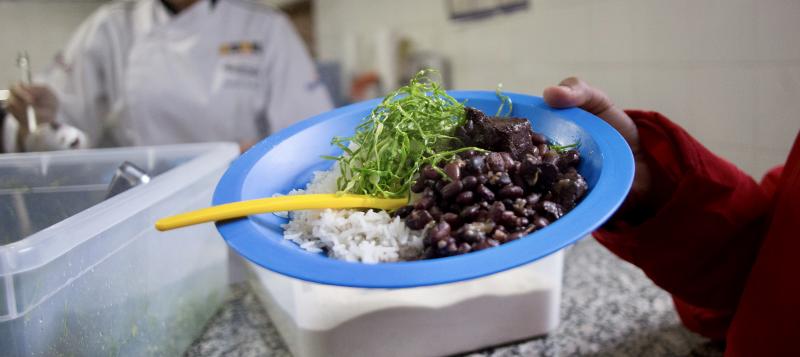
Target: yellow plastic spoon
{"points": [[277, 204]]}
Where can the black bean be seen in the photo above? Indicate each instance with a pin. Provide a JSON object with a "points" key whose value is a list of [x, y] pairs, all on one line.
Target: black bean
{"points": [[528, 212], [499, 235], [572, 156], [494, 178], [550, 157], [520, 203], [454, 207], [533, 198], [468, 154], [538, 139], [540, 222], [566, 192], [476, 164], [553, 208], [571, 173], [492, 242], [464, 248], [469, 234], [424, 203], [529, 171], [451, 189], [453, 171], [438, 232], [465, 198], [452, 247], [469, 212], [485, 193], [508, 219], [522, 222], [451, 218], [482, 215], [503, 179], [480, 246], [496, 211], [495, 162], [429, 172], [418, 185], [428, 192], [439, 185], [404, 211], [469, 182], [515, 236], [547, 175], [436, 212], [543, 149], [418, 219], [511, 191], [507, 160]]}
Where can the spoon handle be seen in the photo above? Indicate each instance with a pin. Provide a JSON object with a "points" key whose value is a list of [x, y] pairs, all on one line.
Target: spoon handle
{"points": [[277, 204]]}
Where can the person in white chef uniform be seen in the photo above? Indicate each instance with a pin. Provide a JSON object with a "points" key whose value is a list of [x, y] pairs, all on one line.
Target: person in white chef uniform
{"points": [[152, 72]]}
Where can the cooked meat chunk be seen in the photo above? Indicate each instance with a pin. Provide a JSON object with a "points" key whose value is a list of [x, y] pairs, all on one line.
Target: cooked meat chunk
{"points": [[511, 135]]}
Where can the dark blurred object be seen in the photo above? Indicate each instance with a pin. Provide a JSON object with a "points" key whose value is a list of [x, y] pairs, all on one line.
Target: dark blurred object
{"points": [[301, 15], [473, 10], [412, 60], [365, 86], [128, 175], [417, 61], [2, 124], [330, 73]]}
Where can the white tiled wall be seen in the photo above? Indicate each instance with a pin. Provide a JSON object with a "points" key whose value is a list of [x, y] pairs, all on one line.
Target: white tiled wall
{"points": [[727, 70], [40, 27]]}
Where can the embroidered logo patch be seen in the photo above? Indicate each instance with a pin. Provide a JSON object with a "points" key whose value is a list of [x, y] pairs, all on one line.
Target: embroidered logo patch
{"points": [[241, 47]]}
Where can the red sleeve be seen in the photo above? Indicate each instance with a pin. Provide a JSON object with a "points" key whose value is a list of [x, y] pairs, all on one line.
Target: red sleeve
{"points": [[698, 234], [770, 181]]}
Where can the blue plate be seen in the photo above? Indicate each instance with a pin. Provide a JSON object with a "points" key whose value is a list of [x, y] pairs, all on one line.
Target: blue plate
{"points": [[287, 159]]}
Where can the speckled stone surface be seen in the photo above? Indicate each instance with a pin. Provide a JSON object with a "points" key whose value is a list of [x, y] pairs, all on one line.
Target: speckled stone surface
{"points": [[609, 308]]}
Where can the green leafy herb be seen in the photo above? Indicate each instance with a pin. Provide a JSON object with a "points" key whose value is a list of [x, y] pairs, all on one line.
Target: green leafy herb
{"points": [[564, 148], [503, 100], [411, 127]]}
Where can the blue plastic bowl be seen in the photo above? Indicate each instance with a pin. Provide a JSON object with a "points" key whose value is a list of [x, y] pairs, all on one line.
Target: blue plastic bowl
{"points": [[286, 160]]}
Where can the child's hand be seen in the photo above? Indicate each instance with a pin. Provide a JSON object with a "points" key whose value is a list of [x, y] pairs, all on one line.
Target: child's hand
{"points": [[573, 92]]}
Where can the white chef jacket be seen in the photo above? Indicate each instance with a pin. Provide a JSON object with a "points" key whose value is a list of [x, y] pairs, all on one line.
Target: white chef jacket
{"points": [[232, 70]]}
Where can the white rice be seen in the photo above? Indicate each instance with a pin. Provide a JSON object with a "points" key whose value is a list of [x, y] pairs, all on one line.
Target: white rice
{"points": [[351, 235]]}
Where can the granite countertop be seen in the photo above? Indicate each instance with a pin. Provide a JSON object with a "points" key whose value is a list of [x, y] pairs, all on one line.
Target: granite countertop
{"points": [[609, 308]]}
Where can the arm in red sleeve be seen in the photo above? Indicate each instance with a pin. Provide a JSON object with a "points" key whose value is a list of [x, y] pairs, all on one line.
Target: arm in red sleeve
{"points": [[698, 231]]}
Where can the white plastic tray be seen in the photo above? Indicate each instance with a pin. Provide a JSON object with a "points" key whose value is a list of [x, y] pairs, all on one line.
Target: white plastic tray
{"points": [[82, 276]]}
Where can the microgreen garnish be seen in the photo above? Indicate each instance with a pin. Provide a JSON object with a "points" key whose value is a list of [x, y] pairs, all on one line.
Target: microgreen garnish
{"points": [[503, 100], [412, 126], [564, 148]]}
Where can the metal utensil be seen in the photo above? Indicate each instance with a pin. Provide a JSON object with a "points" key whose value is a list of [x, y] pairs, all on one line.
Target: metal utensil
{"points": [[24, 64], [127, 176]]}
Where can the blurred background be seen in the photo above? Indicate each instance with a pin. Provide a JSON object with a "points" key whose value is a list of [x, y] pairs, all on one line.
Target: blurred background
{"points": [[728, 71]]}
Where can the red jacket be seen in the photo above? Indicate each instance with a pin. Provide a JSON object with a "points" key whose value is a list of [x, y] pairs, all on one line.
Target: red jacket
{"points": [[725, 247]]}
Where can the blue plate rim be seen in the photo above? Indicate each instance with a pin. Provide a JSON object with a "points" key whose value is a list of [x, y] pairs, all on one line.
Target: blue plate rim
{"points": [[243, 236]]}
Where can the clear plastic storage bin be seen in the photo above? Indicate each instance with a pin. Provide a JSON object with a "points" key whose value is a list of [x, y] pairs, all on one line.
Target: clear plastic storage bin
{"points": [[84, 276], [324, 320]]}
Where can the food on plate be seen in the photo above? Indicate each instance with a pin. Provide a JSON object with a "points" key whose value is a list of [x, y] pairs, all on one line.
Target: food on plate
{"points": [[473, 181]]}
